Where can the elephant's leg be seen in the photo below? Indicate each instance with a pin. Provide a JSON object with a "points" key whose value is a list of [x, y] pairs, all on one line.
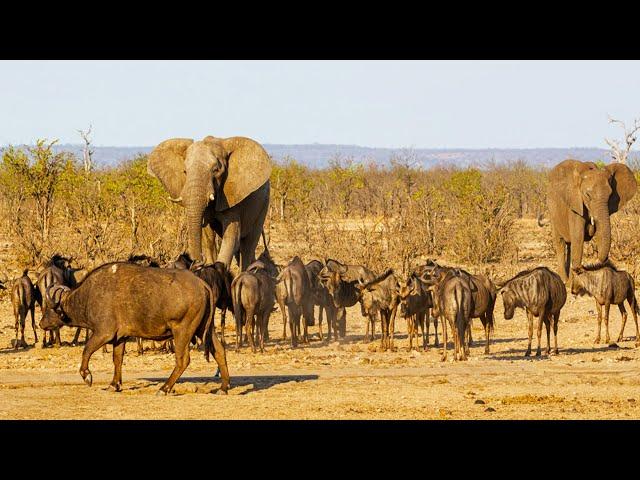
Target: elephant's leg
{"points": [[210, 248], [230, 243], [249, 243], [562, 255]]}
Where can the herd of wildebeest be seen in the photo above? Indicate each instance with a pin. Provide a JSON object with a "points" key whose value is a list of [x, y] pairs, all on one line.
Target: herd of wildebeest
{"points": [[175, 304]]}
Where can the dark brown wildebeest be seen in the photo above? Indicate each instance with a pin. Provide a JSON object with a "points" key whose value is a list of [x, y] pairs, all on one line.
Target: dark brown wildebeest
{"points": [[58, 271], [607, 285], [297, 295], [253, 294], [378, 297], [484, 294], [542, 294], [165, 303], [216, 276], [340, 281], [415, 304], [24, 296], [453, 303]]}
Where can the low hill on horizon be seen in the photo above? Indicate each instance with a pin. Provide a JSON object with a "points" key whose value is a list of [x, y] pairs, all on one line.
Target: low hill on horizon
{"points": [[320, 155]]}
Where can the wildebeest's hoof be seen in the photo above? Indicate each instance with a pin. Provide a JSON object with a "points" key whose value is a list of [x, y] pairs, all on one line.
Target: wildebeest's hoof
{"points": [[113, 388], [538, 353], [527, 353], [443, 358], [221, 391], [161, 393], [88, 379]]}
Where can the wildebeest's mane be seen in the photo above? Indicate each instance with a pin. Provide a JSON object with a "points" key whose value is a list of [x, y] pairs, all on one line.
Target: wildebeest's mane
{"points": [[525, 272], [378, 279], [592, 267]]}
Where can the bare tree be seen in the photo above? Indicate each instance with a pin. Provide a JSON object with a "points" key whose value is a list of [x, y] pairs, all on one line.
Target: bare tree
{"points": [[618, 153], [87, 153]]}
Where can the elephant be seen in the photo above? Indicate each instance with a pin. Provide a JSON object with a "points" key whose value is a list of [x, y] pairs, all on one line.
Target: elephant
{"points": [[223, 184], [581, 196]]}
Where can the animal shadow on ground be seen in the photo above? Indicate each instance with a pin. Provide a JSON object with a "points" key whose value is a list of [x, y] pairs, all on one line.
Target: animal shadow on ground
{"points": [[10, 349], [518, 354], [256, 382]]}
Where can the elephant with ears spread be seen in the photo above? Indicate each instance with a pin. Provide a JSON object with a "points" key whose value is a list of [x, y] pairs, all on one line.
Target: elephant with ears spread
{"points": [[581, 197], [223, 184]]}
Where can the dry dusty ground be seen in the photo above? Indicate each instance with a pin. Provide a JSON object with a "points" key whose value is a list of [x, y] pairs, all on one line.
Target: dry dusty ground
{"points": [[341, 380]]}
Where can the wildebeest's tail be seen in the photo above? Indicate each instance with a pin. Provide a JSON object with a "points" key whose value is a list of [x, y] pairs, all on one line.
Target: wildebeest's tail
{"points": [[209, 326]]}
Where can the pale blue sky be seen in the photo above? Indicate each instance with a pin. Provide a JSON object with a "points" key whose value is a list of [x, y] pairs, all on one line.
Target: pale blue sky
{"points": [[419, 104]]}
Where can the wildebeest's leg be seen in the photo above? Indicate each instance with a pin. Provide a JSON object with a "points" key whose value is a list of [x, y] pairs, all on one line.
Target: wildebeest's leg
{"points": [[487, 331], [250, 319], [393, 327], [140, 346], [469, 334], [366, 333], [17, 313], [23, 321], [320, 309], [435, 326], [623, 313], [631, 298], [530, 318], [263, 326], [541, 319], [556, 318], [223, 314], [94, 343], [305, 338], [444, 339], [76, 337], [118, 355], [607, 306], [33, 324], [599, 328], [220, 356], [293, 330], [58, 343], [548, 324]]}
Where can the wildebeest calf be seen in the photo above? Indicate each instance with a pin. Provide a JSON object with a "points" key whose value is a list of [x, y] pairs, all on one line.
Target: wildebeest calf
{"points": [[120, 300], [542, 294], [607, 285], [24, 296]]}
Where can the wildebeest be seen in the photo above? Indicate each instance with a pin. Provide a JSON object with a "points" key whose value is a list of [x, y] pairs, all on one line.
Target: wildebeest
{"points": [[216, 276], [484, 294], [378, 297], [415, 304], [340, 281], [542, 294], [58, 271], [321, 297], [120, 300], [253, 294], [453, 302], [24, 296], [296, 294], [607, 285]]}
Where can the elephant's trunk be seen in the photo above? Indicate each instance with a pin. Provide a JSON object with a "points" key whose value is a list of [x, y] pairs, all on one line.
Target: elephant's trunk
{"points": [[196, 196], [603, 231]]}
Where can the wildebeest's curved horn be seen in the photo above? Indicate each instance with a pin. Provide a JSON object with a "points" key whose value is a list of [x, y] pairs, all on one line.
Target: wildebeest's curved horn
{"points": [[176, 200], [541, 222]]}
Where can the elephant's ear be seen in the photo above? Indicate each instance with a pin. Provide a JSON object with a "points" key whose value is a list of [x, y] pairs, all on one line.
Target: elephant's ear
{"points": [[623, 184], [166, 163], [565, 180], [249, 167]]}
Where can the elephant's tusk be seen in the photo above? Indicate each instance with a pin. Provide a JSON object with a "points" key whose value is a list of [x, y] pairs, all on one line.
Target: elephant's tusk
{"points": [[212, 197], [592, 221], [176, 200]]}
